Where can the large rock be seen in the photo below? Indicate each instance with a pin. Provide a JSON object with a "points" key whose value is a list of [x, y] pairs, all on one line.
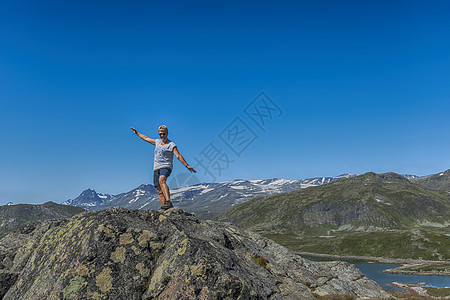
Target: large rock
{"points": [[147, 254]]}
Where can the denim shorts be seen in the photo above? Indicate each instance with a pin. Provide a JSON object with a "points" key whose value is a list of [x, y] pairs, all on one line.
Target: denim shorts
{"points": [[156, 173]]}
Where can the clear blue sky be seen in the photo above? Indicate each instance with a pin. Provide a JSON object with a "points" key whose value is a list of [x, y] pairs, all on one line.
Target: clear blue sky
{"points": [[362, 86]]}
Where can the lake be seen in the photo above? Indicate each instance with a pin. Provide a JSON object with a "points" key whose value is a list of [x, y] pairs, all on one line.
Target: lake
{"points": [[374, 272]]}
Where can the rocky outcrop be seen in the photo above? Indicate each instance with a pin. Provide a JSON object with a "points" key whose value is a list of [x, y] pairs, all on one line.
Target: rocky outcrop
{"points": [[147, 254]]}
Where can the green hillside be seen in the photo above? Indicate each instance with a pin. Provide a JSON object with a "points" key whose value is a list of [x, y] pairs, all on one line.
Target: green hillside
{"points": [[440, 181], [386, 208], [417, 244], [13, 217]]}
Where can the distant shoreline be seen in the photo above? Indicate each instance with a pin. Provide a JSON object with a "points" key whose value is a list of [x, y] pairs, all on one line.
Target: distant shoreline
{"points": [[398, 270], [428, 273], [376, 258]]}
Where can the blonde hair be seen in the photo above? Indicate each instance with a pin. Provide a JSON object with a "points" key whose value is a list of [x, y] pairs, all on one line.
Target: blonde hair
{"points": [[163, 128]]}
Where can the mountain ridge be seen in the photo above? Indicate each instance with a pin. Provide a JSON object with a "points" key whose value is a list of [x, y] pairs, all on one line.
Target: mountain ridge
{"points": [[13, 217], [367, 206], [372, 189], [202, 198], [439, 181], [207, 200], [88, 198]]}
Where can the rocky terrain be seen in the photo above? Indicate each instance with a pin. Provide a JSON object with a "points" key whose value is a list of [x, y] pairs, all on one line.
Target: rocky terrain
{"points": [[146, 254], [15, 216]]}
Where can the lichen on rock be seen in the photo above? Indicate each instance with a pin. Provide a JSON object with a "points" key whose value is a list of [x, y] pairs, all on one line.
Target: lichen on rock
{"points": [[75, 284], [145, 237], [147, 254], [126, 238], [104, 280], [118, 256]]}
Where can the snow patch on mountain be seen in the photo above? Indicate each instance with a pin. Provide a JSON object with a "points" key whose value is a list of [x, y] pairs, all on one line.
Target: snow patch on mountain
{"points": [[207, 190], [238, 187], [218, 197]]}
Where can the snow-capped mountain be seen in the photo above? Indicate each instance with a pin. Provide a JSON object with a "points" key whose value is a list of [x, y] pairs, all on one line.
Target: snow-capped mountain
{"points": [[144, 196], [205, 200], [410, 177], [88, 199]]}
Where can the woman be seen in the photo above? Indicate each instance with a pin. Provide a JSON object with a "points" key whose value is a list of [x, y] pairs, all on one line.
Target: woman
{"points": [[163, 163]]}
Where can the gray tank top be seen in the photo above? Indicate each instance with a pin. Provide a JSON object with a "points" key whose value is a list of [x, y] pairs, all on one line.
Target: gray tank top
{"points": [[163, 155]]}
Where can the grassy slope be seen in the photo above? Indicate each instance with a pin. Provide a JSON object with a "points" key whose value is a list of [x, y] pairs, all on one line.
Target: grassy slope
{"points": [[440, 181], [389, 244], [387, 202], [348, 201]]}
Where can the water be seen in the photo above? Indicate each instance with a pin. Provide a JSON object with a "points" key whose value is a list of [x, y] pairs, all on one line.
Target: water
{"points": [[374, 272]]}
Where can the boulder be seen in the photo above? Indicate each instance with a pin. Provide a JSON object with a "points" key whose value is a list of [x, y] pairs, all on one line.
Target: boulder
{"points": [[147, 254]]}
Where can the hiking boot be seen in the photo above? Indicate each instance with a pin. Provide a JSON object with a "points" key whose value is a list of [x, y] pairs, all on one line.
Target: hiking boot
{"points": [[168, 204]]}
